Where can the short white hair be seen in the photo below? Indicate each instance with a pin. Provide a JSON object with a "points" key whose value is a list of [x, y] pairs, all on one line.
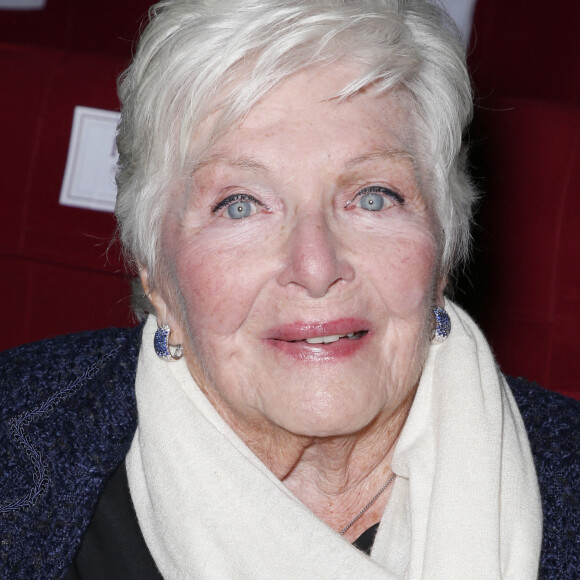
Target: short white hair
{"points": [[196, 57]]}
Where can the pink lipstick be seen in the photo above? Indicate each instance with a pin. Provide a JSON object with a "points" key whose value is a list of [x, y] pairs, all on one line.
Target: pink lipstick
{"points": [[320, 341]]}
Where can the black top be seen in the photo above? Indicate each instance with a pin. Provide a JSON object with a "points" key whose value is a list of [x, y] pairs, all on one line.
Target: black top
{"points": [[366, 540], [113, 547]]}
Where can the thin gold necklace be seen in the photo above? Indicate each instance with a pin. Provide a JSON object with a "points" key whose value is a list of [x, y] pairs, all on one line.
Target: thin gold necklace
{"points": [[363, 511]]}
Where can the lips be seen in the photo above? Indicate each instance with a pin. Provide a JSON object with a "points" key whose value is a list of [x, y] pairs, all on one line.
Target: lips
{"points": [[320, 341], [334, 337]]}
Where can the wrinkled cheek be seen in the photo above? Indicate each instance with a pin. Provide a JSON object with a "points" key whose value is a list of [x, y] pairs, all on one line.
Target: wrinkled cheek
{"points": [[409, 279], [217, 283], [418, 289], [207, 288]]}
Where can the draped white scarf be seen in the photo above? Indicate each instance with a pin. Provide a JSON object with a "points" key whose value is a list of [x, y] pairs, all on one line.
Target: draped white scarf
{"points": [[465, 503]]}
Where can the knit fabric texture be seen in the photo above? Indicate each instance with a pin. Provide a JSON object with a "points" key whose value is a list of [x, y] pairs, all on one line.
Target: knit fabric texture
{"points": [[67, 419], [68, 415], [553, 425]]}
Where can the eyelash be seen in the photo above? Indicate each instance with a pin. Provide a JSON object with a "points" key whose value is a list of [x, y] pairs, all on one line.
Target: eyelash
{"points": [[384, 191], [236, 197]]}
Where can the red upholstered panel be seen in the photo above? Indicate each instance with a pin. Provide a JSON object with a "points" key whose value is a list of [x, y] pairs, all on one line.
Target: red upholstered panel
{"points": [[106, 26], [43, 299], [564, 364], [15, 293], [54, 257], [72, 299], [527, 49], [51, 231], [27, 75], [530, 286], [58, 276], [47, 27]]}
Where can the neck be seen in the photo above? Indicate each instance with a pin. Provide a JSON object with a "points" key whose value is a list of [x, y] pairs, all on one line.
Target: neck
{"points": [[335, 477]]}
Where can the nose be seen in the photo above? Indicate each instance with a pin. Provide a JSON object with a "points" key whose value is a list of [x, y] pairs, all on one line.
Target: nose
{"points": [[314, 258]]}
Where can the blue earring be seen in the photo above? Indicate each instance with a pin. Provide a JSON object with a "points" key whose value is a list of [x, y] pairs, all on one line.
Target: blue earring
{"points": [[442, 326], [161, 345]]}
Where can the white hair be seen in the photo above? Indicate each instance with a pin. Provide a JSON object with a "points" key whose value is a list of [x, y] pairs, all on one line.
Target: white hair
{"points": [[197, 57]]}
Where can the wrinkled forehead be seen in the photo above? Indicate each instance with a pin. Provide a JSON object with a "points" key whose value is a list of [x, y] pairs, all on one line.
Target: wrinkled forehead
{"points": [[316, 89]]}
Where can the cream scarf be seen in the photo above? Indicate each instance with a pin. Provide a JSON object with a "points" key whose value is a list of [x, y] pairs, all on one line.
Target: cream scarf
{"points": [[465, 503]]}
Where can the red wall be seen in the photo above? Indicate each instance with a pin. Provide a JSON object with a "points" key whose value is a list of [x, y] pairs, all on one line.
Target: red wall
{"points": [[58, 273], [525, 279]]}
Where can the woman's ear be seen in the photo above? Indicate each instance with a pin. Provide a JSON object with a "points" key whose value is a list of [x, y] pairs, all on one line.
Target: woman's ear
{"points": [[163, 310], [440, 298], [153, 296]]}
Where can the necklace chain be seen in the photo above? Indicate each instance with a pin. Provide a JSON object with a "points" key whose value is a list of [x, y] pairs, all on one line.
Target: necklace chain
{"points": [[363, 511]]}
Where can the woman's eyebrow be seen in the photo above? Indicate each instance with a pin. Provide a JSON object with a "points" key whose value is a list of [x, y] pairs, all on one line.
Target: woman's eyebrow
{"points": [[240, 161], [380, 154], [245, 162]]}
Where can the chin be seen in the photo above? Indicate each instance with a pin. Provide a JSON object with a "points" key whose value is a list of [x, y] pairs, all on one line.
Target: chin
{"points": [[326, 413]]}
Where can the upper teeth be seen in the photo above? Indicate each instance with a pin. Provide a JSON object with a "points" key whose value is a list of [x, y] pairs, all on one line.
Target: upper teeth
{"points": [[327, 339]]}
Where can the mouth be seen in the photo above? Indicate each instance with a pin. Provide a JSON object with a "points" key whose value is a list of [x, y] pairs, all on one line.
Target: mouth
{"points": [[333, 337], [323, 341]]}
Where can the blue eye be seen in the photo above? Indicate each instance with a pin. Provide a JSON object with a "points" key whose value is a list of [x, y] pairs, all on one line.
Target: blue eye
{"points": [[240, 209], [238, 206], [376, 198], [372, 201]]}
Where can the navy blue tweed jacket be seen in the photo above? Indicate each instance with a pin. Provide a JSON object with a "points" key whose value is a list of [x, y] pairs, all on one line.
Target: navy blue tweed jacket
{"points": [[68, 415]]}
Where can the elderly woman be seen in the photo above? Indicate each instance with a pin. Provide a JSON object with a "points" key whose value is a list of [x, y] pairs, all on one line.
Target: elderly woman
{"points": [[304, 402]]}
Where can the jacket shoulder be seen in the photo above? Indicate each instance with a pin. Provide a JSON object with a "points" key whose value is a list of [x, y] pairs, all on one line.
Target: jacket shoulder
{"points": [[67, 418], [33, 370], [553, 425]]}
